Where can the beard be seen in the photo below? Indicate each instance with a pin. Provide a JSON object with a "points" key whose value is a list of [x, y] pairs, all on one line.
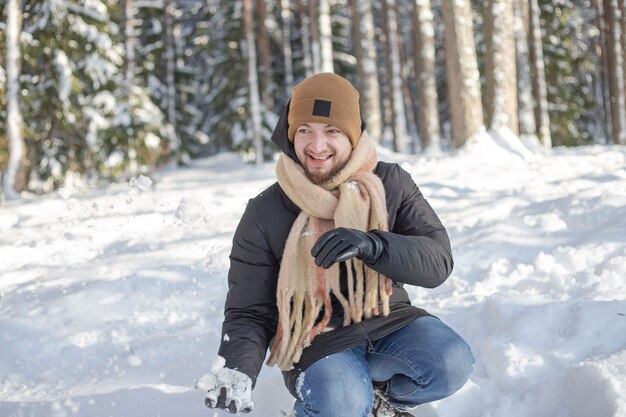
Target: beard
{"points": [[319, 178]]}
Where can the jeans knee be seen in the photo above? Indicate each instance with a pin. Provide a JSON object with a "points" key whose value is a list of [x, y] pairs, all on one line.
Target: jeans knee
{"points": [[354, 402], [457, 363], [447, 371], [335, 400]]}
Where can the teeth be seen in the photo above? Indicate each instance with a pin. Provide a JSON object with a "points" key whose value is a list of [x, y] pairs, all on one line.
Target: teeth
{"points": [[320, 158]]}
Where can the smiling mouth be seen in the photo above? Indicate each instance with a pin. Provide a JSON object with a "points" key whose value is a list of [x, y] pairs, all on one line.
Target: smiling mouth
{"points": [[320, 157]]}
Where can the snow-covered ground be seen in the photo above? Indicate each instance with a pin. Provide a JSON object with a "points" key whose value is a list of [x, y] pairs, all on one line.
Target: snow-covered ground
{"points": [[111, 298]]}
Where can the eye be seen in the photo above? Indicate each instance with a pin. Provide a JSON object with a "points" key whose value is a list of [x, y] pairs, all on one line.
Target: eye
{"points": [[302, 130], [333, 131]]}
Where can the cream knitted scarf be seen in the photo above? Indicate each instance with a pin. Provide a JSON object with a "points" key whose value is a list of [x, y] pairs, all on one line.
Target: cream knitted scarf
{"points": [[354, 198]]}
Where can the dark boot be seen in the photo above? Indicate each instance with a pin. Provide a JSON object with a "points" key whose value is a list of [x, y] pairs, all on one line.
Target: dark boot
{"points": [[382, 408]]}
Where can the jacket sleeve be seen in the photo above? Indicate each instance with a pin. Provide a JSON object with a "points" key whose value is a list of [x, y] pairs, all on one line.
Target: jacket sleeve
{"points": [[250, 314], [417, 251]]}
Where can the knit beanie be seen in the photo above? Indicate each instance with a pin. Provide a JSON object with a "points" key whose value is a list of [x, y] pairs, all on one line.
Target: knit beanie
{"points": [[325, 98]]}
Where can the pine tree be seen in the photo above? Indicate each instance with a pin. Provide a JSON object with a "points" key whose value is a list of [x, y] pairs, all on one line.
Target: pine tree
{"points": [[426, 79], [394, 77], [569, 68], [265, 55], [127, 127], [221, 81], [253, 85], [175, 50], [500, 66], [538, 74], [622, 25], [303, 23], [462, 70], [316, 47], [194, 22], [286, 17], [405, 23], [73, 66], [527, 125], [344, 60], [326, 37], [600, 77], [613, 50], [364, 46], [171, 90], [15, 140], [4, 153]]}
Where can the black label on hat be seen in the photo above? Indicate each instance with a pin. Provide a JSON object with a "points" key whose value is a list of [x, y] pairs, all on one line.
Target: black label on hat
{"points": [[321, 108]]}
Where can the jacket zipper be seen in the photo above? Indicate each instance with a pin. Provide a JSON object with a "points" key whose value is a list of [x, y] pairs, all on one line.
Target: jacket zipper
{"points": [[370, 346]]}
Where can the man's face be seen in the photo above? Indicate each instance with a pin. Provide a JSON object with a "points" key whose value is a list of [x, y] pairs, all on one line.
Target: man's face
{"points": [[323, 150]]}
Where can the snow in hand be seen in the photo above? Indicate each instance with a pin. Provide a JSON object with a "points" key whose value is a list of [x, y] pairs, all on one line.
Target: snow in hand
{"points": [[111, 298], [237, 384]]}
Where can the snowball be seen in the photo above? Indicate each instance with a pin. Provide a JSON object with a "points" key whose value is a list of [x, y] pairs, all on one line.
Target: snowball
{"points": [[189, 211], [140, 183], [238, 385]]}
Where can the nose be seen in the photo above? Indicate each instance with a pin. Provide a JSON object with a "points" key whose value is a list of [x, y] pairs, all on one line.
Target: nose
{"points": [[319, 143]]}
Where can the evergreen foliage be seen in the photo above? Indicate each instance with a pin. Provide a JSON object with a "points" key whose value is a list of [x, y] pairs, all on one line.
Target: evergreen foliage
{"points": [[81, 115], [69, 67], [568, 29]]}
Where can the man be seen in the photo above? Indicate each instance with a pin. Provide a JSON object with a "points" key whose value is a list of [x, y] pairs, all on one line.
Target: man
{"points": [[318, 265]]}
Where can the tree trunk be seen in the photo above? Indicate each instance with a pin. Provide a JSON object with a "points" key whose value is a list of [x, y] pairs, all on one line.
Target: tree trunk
{"points": [[303, 21], [462, 70], [527, 125], [130, 40], [253, 82], [286, 18], [368, 74], [540, 90], [500, 66], [394, 77], [601, 88], [326, 37], [612, 18], [170, 81], [385, 67], [622, 9], [266, 56], [371, 87], [425, 78], [315, 36], [410, 119], [14, 116], [357, 44]]}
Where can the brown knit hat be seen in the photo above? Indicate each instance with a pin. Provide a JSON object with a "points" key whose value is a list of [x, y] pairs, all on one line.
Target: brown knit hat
{"points": [[325, 98]]}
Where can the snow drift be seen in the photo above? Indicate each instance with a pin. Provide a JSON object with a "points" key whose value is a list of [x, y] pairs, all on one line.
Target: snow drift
{"points": [[111, 298]]}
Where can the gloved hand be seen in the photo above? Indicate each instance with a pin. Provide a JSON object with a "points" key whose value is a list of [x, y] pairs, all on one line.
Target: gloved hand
{"points": [[227, 389], [341, 244]]}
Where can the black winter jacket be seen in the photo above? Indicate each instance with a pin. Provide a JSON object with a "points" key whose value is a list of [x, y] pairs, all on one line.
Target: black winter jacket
{"points": [[416, 252]]}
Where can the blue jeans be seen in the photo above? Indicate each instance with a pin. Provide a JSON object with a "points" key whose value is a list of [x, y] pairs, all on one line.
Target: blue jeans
{"points": [[421, 362]]}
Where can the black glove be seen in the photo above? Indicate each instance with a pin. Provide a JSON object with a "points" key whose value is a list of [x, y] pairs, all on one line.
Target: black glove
{"points": [[341, 244]]}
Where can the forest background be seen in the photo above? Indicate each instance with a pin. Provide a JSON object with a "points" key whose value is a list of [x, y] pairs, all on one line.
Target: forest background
{"points": [[101, 89]]}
